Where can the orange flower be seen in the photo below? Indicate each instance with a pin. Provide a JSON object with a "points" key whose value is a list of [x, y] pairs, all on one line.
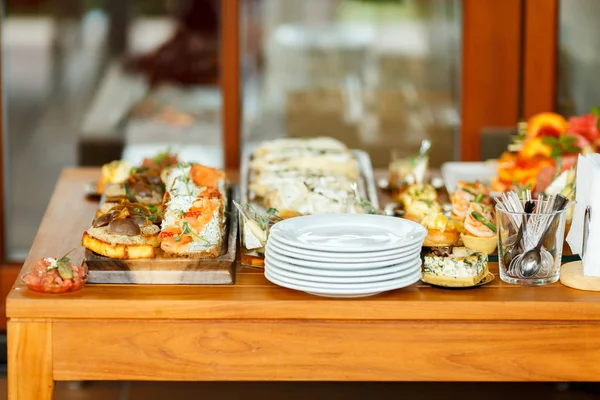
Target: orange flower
{"points": [[535, 147], [546, 124]]}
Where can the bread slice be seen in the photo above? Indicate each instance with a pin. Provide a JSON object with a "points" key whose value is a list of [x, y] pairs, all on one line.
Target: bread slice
{"points": [[209, 247], [117, 250], [102, 241]]}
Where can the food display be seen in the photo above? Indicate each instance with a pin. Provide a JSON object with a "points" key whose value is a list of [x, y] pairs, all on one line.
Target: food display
{"points": [[167, 222], [177, 208], [290, 177], [454, 267], [52, 275], [546, 146]]}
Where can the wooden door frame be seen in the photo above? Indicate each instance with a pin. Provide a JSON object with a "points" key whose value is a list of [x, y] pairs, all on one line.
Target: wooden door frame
{"points": [[491, 69], [231, 82], [540, 56]]}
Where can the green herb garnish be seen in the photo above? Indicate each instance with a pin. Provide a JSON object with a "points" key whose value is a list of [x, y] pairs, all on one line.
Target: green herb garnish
{"points": [[479, 198], [63, 268], [561, 145], [128, 193], [152, 208], [188, 231], [484, 221]]}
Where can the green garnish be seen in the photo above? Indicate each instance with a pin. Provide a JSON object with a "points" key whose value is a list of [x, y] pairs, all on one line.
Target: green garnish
{"points": [[152, 208], [188, 231], [484, 221], [178, 238], [63, 268], [561, 145], [426, 201], [128, 194], [160, 157], [469, 191], [479, 198]]}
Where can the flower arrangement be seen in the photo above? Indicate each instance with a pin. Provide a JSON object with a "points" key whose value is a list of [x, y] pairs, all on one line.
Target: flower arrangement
{"points": [[546, 146]]}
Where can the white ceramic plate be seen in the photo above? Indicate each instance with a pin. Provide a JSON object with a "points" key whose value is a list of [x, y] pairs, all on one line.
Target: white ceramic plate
{"points": [[282, 269], [366, 286], [286, 257], [319, 255], [354, 292], [348, 233], [338, 273]]}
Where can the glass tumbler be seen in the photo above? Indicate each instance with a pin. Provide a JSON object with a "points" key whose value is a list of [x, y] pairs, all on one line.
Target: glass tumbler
{"points": [[515, 245]]}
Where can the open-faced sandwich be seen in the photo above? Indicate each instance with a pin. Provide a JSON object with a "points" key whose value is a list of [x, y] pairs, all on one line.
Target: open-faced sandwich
{"points": [[194, 212], [441, 232], [113, 173], [126, 231], [480, 232], [140, 187], [454, 267]]}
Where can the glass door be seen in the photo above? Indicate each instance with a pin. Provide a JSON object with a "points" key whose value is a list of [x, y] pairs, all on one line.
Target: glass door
{"points": [[378, 75]]}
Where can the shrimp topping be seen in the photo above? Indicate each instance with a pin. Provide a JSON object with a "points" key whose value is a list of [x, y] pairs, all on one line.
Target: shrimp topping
{"points": [[474, 225]]}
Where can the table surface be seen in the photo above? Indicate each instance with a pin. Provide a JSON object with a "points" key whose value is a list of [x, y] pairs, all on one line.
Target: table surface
{"points": [[253, 297]]}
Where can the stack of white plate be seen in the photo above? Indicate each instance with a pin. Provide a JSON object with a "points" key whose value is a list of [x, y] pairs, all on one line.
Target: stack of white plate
{"points": [[344, 255]]}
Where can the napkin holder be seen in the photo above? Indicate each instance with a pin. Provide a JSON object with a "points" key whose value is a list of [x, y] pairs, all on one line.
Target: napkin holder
{"points": [[571, 274]]}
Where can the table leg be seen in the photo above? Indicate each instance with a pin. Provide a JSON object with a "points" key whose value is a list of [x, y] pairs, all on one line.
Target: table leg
{"points": [[30, 360]]}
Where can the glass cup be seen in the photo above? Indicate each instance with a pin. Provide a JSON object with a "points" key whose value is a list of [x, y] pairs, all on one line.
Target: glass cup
{"points": [[406, 170], [515, 245]]}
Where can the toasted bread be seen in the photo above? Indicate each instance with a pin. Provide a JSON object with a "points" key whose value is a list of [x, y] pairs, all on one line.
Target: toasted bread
{"points": [[184, 251], [118, 250]]}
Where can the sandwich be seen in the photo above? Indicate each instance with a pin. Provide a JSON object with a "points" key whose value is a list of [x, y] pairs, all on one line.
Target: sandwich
{"points": [[113, 173], [126, 231], [194, 212]]}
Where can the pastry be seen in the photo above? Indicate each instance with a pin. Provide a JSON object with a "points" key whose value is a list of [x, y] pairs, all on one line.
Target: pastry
{"points": [[454, 267], [441, 232]]}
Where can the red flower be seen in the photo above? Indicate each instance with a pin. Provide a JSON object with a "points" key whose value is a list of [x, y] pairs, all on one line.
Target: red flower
{"points": [[586, 126]]}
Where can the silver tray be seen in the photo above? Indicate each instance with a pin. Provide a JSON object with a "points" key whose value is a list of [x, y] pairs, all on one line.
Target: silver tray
{"points": [[366, 185]]}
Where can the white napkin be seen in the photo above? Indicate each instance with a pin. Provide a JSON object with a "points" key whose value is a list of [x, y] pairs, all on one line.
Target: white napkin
{"points": [[588, 194]]}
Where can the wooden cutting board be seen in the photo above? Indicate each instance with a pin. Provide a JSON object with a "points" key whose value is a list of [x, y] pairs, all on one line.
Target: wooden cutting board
{"points": [[170, 270]]}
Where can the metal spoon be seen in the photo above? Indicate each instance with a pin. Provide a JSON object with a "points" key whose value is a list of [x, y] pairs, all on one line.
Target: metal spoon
{"points": [[516, 246], [531, 263]]}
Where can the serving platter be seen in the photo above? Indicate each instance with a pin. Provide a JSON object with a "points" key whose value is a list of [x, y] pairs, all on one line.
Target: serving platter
{"points": [[171, 270], [366, 184]]}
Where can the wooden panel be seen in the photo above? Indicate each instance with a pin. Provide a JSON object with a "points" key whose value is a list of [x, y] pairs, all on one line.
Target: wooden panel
{"points": [[230, 81], [30, 360], [490, 69], [326, 351], [8, 275], [540, 56]]}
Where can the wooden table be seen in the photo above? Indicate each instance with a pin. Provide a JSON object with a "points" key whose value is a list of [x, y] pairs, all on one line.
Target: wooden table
{"points": [[256, 331]]}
